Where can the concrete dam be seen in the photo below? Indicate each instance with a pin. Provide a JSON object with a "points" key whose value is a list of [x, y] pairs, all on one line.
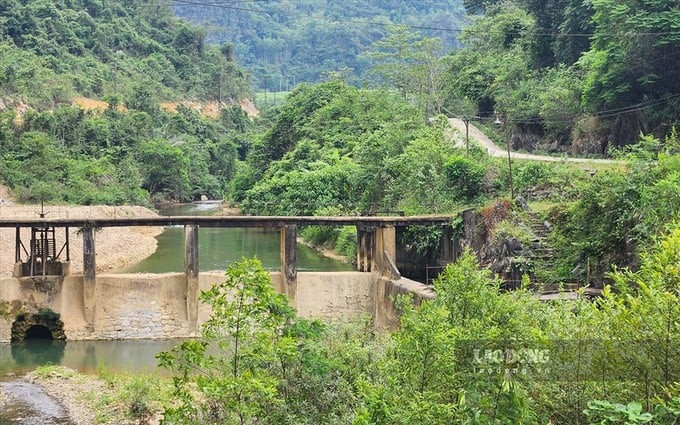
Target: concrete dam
{"points": [[92, 306]]}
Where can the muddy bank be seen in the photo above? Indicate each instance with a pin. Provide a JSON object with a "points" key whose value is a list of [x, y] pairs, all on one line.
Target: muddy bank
{"points": [[325, 251], [116, 247], [89, 399], [73, 390]]}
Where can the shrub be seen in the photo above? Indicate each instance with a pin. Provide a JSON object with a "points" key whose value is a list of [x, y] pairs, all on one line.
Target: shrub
{"points": [[532, 174], [466, 176], [346, 243]]}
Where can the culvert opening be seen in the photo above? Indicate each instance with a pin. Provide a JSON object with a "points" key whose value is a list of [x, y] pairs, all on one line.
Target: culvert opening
{"points": [[45, 325], [38, 332]]}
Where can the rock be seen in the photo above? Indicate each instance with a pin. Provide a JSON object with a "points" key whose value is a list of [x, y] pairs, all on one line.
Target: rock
{"points": [[204, 198], [513, 245], [522, 203]]}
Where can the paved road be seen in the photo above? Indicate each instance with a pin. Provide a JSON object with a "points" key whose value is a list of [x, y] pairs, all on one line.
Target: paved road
{"points": [[494, 150]]}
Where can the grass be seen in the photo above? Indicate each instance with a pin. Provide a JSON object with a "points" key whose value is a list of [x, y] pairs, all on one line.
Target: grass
{"points": [[52, 371], [133, 396], [542, 206], [270, 99], [126, 396]]}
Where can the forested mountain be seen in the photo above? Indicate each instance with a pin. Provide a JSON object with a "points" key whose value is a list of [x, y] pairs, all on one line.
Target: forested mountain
{"points": [[283, 42], [51, 51], [131, 53]]}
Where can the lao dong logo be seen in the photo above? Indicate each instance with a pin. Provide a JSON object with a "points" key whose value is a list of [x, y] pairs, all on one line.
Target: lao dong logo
{"points": [[510, 360]]}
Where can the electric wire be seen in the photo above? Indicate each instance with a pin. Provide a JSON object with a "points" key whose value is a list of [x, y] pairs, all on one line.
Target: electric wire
{"points": [[607, 113], [228, 5], [599, 114]]}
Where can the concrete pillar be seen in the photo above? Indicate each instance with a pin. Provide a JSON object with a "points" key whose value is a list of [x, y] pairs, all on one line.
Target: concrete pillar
{"points": [[191, 273], [365, 247], [447, 247], [361, 249], [385, 252], [89, 274], [289, 258]]}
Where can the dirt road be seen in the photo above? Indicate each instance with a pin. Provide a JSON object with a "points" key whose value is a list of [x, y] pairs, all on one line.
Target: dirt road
{"points": [[496, 151]]}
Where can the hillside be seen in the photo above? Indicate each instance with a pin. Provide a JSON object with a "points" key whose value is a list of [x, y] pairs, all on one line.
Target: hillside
{"points": [[283, 42], [131, 52], [99, 103], [562, 75]]}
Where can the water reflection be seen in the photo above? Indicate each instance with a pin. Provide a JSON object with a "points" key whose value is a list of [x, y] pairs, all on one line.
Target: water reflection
{"points": [[37, 352], [219, 247], [85, 356]]}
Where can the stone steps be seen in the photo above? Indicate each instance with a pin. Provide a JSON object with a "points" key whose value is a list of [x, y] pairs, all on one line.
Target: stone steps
{"points": [[541, 250]]}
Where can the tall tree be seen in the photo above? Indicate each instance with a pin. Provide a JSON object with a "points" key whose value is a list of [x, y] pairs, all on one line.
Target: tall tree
{"points": [[411, 63]]}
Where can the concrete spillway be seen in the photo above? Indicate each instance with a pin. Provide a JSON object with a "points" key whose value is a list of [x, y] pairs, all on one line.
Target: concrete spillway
{"points": [[137, 306]]}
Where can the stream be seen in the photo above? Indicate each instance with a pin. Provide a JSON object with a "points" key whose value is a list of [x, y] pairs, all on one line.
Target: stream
{"points": [[219, 247], [26, 403]]}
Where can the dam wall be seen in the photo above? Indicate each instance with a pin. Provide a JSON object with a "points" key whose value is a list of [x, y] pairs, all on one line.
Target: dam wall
{"points": [[154, 306]]}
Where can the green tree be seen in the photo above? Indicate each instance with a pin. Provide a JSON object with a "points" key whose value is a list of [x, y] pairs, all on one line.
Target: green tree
{"points": [[426, 375], [627, 63], [165, 168], [412, 65], [247, 334]]}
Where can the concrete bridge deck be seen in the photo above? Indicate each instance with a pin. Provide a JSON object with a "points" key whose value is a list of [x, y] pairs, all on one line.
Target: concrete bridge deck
{"points": [[233, 221]]}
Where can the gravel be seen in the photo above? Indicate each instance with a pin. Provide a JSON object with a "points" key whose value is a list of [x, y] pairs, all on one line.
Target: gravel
{"points": [[80, 395], [71, 388], [3, 399]]}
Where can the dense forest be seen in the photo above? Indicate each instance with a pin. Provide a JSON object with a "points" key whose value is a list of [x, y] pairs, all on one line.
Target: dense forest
{"points": [[133, 55], [283, 42], [333, 149], [54, 50], [569, 75], [581, 77]]}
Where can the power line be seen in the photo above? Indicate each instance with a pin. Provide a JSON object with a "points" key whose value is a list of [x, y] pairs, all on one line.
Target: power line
{"points": [[607, 113], [228, 6]]}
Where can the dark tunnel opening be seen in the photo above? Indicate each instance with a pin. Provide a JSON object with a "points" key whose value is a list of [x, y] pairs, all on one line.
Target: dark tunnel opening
{"points": [[38, 332]]}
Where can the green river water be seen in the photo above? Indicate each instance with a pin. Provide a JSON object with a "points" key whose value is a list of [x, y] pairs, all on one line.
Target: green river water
{"points": [[219, 247]]}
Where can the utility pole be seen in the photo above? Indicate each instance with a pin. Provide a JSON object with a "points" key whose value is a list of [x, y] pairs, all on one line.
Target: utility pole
{"points": [[512, 189], [467, 136]]}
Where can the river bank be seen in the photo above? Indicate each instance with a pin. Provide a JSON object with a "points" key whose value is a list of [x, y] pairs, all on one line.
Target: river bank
{"points": [[324, 250], [117, 248], [75, 391], [90, 399]]}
